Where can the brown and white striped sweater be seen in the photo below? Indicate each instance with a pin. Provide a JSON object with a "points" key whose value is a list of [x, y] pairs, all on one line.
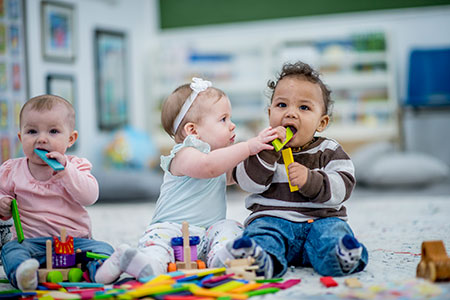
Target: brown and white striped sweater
{"points": [[331, 180]]}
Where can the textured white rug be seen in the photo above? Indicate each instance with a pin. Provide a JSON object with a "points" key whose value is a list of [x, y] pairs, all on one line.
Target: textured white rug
{"points": [[392, 226]]}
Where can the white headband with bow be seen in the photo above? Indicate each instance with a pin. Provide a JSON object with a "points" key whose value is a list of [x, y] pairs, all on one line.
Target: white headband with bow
{"points": [[197, 85]]}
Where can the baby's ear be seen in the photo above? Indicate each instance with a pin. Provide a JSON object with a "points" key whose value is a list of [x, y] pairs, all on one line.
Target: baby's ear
{"points": [[73, 137], [324, 120], [190, 128]]}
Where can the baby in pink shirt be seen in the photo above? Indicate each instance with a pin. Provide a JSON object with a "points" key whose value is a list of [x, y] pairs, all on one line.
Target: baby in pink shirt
{"points": [[47, 200]]}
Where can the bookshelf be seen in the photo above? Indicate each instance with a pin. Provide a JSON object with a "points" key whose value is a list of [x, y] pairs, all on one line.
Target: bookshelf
{"points": [[356, 67]]}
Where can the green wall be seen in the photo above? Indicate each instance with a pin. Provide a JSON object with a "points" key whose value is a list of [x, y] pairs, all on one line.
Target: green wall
{"points": [[182, 13]]}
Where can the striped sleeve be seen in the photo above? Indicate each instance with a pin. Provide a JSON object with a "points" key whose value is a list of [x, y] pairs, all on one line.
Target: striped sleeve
{"points": [[332, 181], [255, 174]]}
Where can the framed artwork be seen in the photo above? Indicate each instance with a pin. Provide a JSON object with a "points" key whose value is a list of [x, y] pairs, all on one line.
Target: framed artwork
{"points": [[58, 38], [13, 75], [62, 85], [111, 79]]}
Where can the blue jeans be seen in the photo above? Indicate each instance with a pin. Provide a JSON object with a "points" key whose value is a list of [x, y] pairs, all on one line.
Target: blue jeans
{"points": [[303, 244], [14, 253]]}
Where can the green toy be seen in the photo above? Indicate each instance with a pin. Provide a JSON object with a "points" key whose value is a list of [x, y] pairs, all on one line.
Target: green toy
{"points": [[16, 217], [278, 144]]}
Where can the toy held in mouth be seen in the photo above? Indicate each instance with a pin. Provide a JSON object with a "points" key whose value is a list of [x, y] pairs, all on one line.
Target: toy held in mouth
{"points": [[53, 163], [278, 144]]}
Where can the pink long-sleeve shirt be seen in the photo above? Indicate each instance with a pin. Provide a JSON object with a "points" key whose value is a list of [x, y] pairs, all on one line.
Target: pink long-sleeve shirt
{"points": [[47, 206]]}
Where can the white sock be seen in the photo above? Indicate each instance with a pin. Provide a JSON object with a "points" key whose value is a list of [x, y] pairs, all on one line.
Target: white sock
{"points": [[26, 275], [348, 251], [136, 263], [221, 256], [244, 247], [110, 270]]}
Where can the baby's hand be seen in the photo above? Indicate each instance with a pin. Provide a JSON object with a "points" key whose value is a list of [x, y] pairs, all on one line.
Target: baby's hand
{"points": [[58, 156], [281, 133], [298, 174], [260, 142], [5, 207]]}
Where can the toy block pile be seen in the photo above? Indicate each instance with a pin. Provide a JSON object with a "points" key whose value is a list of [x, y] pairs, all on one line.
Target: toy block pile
{"points": [[187, 285]]}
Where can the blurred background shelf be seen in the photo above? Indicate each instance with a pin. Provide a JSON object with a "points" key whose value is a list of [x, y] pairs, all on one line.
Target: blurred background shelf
{"points": [[355, 65]]}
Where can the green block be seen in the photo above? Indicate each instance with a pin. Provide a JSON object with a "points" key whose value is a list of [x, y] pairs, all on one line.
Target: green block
{"points": [[262, 291], [16, 217], [278, 144], [75, 275], [96, 255], [54, 277]]}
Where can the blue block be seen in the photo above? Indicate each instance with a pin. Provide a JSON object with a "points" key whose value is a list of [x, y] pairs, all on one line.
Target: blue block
{"points": [[53, 163]]}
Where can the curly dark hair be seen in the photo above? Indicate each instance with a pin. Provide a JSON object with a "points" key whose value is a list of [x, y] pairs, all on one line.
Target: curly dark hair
{"points": [[306, 72]]}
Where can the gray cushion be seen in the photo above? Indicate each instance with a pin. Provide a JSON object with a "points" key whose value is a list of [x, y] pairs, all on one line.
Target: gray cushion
{"points": [[381, 164], [122, 185]]}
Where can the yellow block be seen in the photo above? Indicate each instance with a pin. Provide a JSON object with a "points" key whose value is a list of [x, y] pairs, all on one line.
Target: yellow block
{"points": [[198, 291], [246, 287], [159, 278], [150, 290], [227, 286], [288, 159], [150, 283], [205, 272]]}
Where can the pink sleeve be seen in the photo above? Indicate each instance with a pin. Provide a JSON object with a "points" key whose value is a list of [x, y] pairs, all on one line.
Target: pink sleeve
{"points": [[78, 180], [6, 182]]}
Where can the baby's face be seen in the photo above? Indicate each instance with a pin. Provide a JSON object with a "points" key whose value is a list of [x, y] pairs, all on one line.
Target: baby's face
{"points": [[215, 126], [47, 130], [298, 104]]}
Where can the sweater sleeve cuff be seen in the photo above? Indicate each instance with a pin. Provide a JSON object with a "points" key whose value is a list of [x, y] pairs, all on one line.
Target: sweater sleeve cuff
{"points": [[269, 156], [312, 186]]}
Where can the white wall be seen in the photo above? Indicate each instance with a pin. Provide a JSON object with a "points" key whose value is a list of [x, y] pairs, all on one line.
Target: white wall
{"points": [[408, 28], [137, 18]]}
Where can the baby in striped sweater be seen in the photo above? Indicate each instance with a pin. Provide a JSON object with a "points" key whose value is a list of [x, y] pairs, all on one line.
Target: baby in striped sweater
{"points": [[306, 227]]}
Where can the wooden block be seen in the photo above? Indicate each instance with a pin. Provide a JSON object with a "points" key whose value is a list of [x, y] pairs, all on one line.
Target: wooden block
{"points": [[353, 283]]}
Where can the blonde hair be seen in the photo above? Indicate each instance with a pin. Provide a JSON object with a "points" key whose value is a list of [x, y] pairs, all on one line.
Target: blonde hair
{"points": [[172, 106], [47, 102]]}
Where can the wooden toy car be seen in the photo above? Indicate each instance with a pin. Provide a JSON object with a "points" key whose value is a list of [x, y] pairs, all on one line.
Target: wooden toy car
{"points": [[63, 259], [243, 268], [185, 250], [435, 264]]}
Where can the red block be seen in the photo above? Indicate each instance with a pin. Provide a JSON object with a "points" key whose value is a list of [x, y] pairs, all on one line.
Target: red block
{"points": [[328, 281]]}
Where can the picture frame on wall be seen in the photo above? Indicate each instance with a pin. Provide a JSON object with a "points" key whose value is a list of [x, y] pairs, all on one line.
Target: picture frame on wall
{"points": [[62, 85], [13, 74], [111, 70], [58, 31]]}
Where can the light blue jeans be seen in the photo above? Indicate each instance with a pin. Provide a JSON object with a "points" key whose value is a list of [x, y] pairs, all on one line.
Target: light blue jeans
{"points": [[303, 244], [14, 253]]}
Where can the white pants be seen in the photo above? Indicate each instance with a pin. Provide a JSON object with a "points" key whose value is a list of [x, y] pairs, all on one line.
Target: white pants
{"points": [[156, 242]]}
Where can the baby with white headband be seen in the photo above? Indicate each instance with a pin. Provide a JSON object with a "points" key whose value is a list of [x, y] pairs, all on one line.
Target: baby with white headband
{"points": [[196, 172]]}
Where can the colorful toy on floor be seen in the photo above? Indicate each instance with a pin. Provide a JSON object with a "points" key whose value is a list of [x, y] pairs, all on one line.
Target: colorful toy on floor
{"points": [[185, 251], [66, 263], [353, 283], [16, 218], [64, 258], [188, 284], [53, 163], [243, 268], [328, 281], [435, 263]]}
